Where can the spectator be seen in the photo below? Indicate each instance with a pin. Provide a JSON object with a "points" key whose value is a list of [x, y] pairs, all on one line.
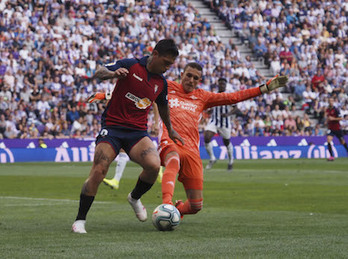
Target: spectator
{"points": [[290, 124], [317, 79], [276, 112], [72, 115]]}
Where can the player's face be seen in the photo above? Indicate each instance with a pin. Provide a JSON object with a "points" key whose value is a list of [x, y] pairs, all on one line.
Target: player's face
{"points": [[222, 86], [331, 102], [190, 78], [160, 64]]}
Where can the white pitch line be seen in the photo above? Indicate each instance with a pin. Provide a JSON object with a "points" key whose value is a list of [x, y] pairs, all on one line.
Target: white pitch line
{"points": [[31, 205], [47, 199]]}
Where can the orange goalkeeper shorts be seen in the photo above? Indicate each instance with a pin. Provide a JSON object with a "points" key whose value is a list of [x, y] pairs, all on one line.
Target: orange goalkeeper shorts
{"points": [[191, 168]]}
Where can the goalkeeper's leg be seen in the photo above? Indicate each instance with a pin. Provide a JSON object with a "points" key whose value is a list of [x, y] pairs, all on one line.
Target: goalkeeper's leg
{"points": [[193, 204], [194, 193], [172, 167]]}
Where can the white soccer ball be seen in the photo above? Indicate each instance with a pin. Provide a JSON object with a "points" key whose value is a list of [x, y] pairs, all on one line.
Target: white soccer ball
{"points": [[166, 217]]}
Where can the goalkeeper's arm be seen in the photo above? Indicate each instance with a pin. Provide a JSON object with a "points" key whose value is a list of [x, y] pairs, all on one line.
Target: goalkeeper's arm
{"points": [[99, 97], [272, 84]]}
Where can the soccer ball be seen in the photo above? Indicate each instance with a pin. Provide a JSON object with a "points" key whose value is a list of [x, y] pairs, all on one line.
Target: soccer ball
{"points": [[166, 217]]}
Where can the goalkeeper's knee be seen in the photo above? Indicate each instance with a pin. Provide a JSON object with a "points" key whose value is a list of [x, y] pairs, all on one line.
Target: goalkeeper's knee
{"points": [[196, 205]]}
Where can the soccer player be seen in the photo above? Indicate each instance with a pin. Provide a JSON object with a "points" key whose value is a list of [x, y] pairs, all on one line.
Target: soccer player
{"points": [[219, 123], [334, 128], [186, 104], [124, 124]]}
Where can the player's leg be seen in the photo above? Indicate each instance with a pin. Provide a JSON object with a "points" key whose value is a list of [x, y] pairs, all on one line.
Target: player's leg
{"points": [[121, 165], [172, 167], [160, 175], [145, 154], [329, 146], [193, 204], [208, 135], [104, 155], [225, 133], [229, 147], [191, 176]]}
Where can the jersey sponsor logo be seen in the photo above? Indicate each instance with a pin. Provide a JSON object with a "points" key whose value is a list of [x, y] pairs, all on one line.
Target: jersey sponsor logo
{"points": [[137, 77], [193, 97], [139, 103], [175, 103]]}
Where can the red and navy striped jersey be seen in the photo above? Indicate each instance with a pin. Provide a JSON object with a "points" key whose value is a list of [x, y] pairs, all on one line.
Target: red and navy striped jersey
{"points": [[333, 125], [133, 95]]}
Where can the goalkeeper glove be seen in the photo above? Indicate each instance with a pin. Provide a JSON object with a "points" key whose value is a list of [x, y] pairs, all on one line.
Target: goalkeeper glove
{"points": [[274, 83], [98, 97]]}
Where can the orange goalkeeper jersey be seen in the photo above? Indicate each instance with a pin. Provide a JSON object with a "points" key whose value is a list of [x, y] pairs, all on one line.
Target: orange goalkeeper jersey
{"points": [[186, 110]]}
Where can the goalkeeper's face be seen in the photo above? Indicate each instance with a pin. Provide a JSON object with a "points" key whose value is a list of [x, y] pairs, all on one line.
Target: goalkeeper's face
{"points": [[190, 78]]}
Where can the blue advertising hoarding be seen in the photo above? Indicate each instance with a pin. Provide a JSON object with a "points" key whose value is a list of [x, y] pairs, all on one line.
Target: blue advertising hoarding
{"points": [[72, 150]]}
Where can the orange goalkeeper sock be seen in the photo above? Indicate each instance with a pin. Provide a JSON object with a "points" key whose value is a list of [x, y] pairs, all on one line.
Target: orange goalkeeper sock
{"points": [[191, 206], [168, 179]]}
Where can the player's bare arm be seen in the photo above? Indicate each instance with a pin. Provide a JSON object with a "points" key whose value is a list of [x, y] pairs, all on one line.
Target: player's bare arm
{"points": [[331, 118], [103, 73], [156, 118], [164, 113]]}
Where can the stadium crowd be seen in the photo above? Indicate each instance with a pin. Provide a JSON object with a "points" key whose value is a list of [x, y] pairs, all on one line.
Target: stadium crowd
{"points": [[49, 51], [306, 40]]}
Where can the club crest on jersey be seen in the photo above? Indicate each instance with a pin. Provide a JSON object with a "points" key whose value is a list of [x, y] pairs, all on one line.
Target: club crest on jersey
{"points": [[103, 132], [139, 103]]}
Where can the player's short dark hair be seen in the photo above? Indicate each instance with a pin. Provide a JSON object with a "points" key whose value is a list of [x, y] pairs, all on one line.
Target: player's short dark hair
{"points": [[167, 47], [222, 79], [194, 65]]}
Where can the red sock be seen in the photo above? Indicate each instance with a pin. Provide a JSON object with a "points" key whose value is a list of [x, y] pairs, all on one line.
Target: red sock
{"points": [[191, 206], [169, 178]]}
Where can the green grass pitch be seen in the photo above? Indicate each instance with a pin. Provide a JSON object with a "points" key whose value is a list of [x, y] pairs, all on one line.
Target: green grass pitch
{"points": [[263, 209]]}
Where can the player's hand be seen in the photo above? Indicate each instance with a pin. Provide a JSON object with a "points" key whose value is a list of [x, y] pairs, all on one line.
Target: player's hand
{"points": [[274, 83], [121, 73], [96, 97], [99, 97], [175, 137]]}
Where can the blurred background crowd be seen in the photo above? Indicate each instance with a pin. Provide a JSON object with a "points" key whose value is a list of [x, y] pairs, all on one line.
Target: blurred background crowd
{"points": [[49, 51]]}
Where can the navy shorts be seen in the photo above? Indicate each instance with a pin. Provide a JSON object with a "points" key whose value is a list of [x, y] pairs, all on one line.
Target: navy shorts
{"points": [[337, 133], [120, 138]]}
